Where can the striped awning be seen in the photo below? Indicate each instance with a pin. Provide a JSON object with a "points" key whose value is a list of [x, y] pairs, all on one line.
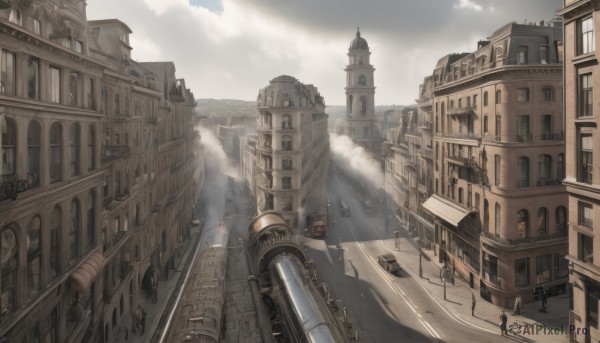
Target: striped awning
{"points": [[445, 209], [84, 276]]}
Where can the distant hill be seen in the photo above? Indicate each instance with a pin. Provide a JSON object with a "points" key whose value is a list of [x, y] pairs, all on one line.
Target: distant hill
{"points": [[233, 107]]}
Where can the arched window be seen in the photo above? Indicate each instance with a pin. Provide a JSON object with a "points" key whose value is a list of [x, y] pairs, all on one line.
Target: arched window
{"points": [[74, 229], [475, 101], [91, 218], [498, 97], [53, 256], [485, 98], [286, 121], [560, 167], [460, 195], [9, 148], [34, 257], [8, 271], [91, 148], [33, 151], [523, 223], [486, 215], [561, 220], [545, 168], [523, 172], [542, 222], [286, 143], [362, 80], [350, 99], [55, 157], [497, 219], [74, 149], [363, 105]]}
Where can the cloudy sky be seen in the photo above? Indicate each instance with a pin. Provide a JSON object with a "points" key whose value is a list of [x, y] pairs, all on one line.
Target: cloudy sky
{"points": [[229, 49]]}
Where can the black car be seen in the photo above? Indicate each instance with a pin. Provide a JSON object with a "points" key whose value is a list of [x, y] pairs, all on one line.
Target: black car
{"points": [[389, 263]]}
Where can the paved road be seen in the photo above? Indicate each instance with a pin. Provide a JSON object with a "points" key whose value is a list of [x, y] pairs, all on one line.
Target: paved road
{"points": [[383, 307]]}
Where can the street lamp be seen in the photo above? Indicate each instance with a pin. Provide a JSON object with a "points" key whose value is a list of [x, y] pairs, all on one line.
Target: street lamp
{"points": [[420, 262]]}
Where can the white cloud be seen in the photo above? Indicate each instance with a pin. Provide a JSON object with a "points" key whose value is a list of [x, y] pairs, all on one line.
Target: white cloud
{"points": [[469, 4]]}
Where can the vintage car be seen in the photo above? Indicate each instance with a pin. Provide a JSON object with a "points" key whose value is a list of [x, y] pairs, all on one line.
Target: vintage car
{"points": [[389, 263]]}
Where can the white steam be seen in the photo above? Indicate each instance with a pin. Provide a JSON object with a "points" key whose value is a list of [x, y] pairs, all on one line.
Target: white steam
{"points": [[355, 159], [214, 155]]}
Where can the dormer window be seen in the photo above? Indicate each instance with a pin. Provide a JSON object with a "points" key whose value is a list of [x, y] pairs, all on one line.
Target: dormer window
{"points": [[36, 26], [15, 16]]}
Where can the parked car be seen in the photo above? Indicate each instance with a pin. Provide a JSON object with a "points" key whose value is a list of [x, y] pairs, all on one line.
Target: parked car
{"points": [[389, 263]]}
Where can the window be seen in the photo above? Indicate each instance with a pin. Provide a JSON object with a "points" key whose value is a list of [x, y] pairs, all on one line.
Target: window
{"points": [[546, 128], [548, 93], [522, 55], [53, 257], [498, 132], [545, 167], [286, 143], [523, 172], [286, 121], [349, 104], [34, 257], [485, 98], [542, 223], [586, 214], [55, 158], [7, 72], [560, 167], [498, 97], [362, 80], [475, 101], [523, 129], [497, 170], [74, 229], [523, 94], [104, 99], [8, 272], [522, 272], [586, 100], [363, 105], [586, 158], [89, 88], [9, 148], [91, 219], [287, 163], [485, 124], [592, 297], [54, 84], [543, 266], [286, 182], [78, 46], [586, 39], [523, 223], [561, 265], [33, 78], [497, 212], [117, 104], [73, 88], [544, 54], [74, 149], [91, 150], [586, 248], [460, 195], [486, 215], [36, 26], [33, 150], [490, 268], [15, 16]]}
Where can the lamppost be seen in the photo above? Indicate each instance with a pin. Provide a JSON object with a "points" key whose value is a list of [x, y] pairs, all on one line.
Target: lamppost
{"points": [[420, 262]]}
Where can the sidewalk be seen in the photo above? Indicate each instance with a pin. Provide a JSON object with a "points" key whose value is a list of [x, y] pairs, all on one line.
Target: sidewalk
{"points": [[532, 324]]}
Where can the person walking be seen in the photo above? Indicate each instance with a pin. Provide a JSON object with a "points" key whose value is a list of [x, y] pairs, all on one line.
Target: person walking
{"points": [[503, 320], [544, 300], [397, 235], [143, 322], [517, 309], [473, 303]]}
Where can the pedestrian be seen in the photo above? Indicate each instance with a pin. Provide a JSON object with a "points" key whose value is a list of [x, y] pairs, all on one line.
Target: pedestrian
{"points": [[139, 315], [154, 292], [143, 321], [503, 320], [473, 303], [544, 300], [517, 309], [453, 273], [396, 235]]}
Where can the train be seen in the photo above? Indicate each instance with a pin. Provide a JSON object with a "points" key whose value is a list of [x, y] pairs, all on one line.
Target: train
{"points": [[198, 314], [297, 310]]}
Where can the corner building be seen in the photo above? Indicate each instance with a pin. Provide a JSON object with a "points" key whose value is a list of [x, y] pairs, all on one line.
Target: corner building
{"points": [[292, 150], [499, 204], [581, 20], [84, 195]]}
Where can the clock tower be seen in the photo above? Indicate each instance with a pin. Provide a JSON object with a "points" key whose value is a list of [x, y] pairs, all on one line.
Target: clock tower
{"points": [[360, 95]]}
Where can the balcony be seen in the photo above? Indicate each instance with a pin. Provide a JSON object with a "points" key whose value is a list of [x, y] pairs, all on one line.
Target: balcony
{"points": [[459, 135], [530, 240], [462, 111], [551, 137], [509, 138], [548, 182], [111, 152], [523, 183], [11, 185]]}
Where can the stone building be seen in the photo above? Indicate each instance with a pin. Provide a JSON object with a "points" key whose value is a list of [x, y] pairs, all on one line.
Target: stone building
{"points": [[499, 204], [291, 150], [360, 96], [83, 206], [580, 76]]}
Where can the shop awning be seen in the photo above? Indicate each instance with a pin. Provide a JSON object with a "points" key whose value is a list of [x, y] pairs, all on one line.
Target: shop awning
{"points": [[85, 275], [445, 209]]}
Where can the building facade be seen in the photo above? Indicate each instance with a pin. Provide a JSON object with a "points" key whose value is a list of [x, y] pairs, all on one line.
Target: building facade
{"points": [[83, 220], [581, 20], [360, 96], [498, 162], [292, 150]]}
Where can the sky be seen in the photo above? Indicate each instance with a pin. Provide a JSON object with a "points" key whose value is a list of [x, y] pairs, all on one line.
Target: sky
{"points": [[229, 49]]}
